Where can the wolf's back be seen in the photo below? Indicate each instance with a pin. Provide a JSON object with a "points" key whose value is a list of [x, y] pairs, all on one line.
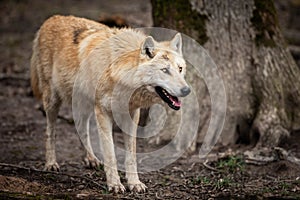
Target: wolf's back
{"points": [[57, 40]]}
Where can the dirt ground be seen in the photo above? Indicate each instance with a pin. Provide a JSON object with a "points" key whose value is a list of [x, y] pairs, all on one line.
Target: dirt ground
{"points": [[22, 127]]}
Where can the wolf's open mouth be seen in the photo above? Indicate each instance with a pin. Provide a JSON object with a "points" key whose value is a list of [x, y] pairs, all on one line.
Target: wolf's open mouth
{"points": [[172, 101]]}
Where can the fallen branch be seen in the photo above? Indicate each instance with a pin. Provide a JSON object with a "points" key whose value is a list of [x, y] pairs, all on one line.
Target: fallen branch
{"points": [[209, 167], [54, 173]]}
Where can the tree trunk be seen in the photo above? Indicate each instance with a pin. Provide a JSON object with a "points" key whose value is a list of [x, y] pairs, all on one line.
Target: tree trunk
{"points": [[260, 75]]}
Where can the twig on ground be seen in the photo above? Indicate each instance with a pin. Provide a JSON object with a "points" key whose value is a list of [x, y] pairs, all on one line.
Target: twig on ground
{"points": [[209, 167]]}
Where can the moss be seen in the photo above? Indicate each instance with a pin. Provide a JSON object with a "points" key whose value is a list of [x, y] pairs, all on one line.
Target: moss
{"points": [[178, 15], [265, 22]]}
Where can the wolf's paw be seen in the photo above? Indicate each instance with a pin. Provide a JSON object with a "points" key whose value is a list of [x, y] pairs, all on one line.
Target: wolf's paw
{"points": [[116, 188], [137, 187], [92, 162], [52, 167]]}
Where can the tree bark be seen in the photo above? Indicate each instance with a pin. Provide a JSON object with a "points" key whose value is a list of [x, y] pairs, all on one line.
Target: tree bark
{"points": [[260, 75]]}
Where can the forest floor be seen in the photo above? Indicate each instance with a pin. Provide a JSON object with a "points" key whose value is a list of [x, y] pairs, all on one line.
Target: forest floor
{"points": [[22, 127]]}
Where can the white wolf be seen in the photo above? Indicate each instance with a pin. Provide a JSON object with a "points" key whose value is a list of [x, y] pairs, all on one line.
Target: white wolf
{"points": [[66, 45]]}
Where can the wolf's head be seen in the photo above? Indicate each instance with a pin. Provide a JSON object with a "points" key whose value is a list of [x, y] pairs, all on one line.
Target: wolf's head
{"points": [[162, 69]]}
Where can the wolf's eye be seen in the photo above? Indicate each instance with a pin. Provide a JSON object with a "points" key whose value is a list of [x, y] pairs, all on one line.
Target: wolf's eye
{"points": [[165, 70], [180, 69]]}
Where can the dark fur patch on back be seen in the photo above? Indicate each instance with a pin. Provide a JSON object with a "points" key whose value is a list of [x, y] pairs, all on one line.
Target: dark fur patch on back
{"points": [[114, 21], [76, 34], [165, 57]]}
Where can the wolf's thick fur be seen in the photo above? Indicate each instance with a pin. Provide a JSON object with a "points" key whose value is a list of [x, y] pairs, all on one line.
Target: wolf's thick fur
{"points": [[102, 59]]}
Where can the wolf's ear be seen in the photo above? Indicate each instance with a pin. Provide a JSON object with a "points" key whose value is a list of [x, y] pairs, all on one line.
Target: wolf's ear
{"points": [[148, 47], [176, 43]]}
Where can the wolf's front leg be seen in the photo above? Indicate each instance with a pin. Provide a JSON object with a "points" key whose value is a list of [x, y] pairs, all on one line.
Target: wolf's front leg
{"points": [[130, 129], [104, 123]]}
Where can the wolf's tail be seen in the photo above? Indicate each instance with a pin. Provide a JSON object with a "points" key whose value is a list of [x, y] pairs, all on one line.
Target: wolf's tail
{"points": [[34, 62]]}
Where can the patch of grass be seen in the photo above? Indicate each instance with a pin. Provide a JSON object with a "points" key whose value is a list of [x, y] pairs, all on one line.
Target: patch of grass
{"points": [[200, 180], [223, 182], [285, 186], [231, 164], [217, 183], [267, 190], [286, 189]]}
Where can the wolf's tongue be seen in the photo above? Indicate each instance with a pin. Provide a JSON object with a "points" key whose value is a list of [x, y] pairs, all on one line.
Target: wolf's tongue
{"points": [[175, 101]]}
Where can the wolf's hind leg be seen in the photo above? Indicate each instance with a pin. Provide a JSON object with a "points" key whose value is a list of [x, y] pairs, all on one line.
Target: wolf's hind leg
{"points": [[51, 103], [90, 159], [83, 130]]}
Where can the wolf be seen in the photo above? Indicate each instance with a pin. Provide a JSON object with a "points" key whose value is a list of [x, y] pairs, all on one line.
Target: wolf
{"points": [[69, 48]]}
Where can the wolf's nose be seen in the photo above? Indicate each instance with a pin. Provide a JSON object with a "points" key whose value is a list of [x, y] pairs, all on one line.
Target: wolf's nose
{"points": [[185, 91]]}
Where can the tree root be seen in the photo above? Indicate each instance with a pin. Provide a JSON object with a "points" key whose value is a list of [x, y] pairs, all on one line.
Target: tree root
{"points": [[269, 128], [267, 155]]}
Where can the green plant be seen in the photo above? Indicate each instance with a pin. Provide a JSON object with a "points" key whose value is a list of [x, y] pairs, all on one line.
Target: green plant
{"points": [[231, 163]]}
